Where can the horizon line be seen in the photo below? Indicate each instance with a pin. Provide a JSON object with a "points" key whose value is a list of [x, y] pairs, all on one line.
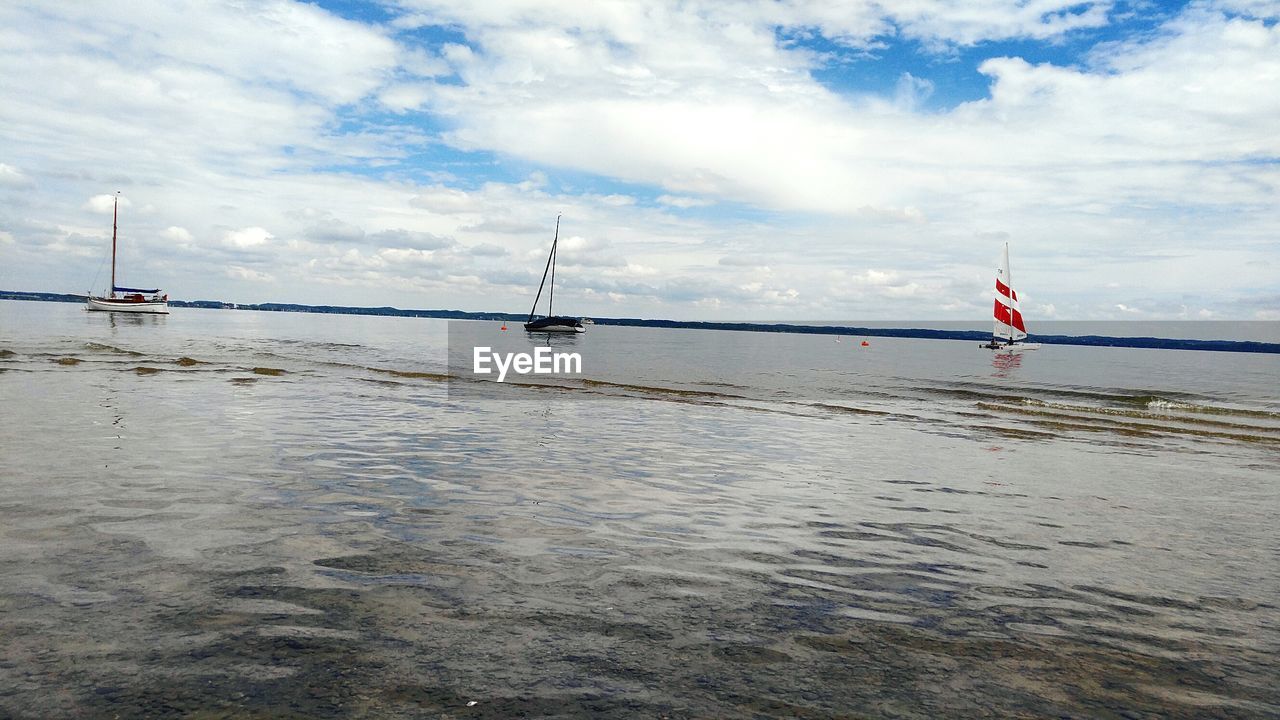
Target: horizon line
{"points": [[1247, 346]]}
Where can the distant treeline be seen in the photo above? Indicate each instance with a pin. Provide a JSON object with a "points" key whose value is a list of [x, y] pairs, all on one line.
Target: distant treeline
{"points": [[975, 335]]}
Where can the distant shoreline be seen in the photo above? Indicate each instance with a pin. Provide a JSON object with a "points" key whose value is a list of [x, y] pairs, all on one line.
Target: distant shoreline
{"points": [[922, 333]]}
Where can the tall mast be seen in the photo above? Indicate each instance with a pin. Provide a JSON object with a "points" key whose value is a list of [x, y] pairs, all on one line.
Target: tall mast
{"points": [[1008, 280], [551, 296], [115, 216], [544, 274]]}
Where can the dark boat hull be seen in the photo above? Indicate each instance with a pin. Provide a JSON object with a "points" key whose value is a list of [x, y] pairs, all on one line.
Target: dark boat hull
{"points": [[556, 323]]}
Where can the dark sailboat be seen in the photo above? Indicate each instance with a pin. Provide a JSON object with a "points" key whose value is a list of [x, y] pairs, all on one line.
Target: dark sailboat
{"points": [[551, 323]]}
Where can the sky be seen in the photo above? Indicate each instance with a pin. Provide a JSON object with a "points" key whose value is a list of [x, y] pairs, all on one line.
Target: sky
{"points": [[838, 160]]}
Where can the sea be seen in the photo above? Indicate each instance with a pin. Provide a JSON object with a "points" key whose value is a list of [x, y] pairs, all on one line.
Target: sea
{"points": [[227, 513]]}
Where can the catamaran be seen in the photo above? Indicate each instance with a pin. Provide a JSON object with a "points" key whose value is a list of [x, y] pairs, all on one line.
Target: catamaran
{"points": [[1010, 331], [551, 323], [126, 299]]}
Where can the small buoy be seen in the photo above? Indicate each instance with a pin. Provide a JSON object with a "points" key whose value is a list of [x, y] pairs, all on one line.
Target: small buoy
{"points": [[866, 344], [504, 327]]}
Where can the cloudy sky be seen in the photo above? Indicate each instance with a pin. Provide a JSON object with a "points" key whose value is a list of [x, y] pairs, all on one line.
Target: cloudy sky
{"points": [[713, 159]]}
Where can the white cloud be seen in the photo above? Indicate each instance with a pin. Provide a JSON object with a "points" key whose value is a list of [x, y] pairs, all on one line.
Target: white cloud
{"points": [[106, 203], [911, 92], [271, 43], [12, 177], [878, 278], [683, 202], [1151, 159], [250, 237], [445, 200], [401, 237], [178, 234], [821, 152], [618, 200], [488, 250], [966, 22], [892, 214], [237, 272], [749, 261]]}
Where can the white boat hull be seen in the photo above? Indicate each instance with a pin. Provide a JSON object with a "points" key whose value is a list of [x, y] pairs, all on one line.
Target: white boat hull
{"points": [[1017, 347], [153, 307]]}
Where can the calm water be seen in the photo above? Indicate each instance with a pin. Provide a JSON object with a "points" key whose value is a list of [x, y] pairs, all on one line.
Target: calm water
{"points": [[273, 515]]}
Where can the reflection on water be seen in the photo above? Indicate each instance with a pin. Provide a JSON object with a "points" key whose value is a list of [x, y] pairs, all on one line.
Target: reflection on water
{"points": [[556, 340], [1005, 364], [286, 522], [109, 402], [118, 320]]}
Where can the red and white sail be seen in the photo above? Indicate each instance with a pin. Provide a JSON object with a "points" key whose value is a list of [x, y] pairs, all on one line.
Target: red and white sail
{"points": [[1009, 325]]}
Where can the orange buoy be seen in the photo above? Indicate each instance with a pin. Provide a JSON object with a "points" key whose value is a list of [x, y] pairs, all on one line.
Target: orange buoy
{"points": [[504, 327], [866, 344]]}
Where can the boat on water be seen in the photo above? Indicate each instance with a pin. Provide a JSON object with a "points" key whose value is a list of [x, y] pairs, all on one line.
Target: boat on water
{"points": [[1010, 332], [551, 323], [126, 299]]}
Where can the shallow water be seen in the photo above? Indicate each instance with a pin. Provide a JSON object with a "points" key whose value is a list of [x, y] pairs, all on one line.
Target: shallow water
{"points": [[255, 514]]}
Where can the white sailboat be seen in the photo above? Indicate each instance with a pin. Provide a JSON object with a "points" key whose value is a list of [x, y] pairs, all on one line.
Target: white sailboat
{"points": [[551, 323], [126, 299], [1010, 331]]}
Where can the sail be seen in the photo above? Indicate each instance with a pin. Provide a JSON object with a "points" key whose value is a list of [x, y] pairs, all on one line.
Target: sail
{"points": [[1008, 319]]}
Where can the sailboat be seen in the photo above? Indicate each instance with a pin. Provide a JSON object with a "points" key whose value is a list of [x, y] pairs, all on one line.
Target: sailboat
{"points": [[131, 300], [551, 323], [1009, 331]]}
